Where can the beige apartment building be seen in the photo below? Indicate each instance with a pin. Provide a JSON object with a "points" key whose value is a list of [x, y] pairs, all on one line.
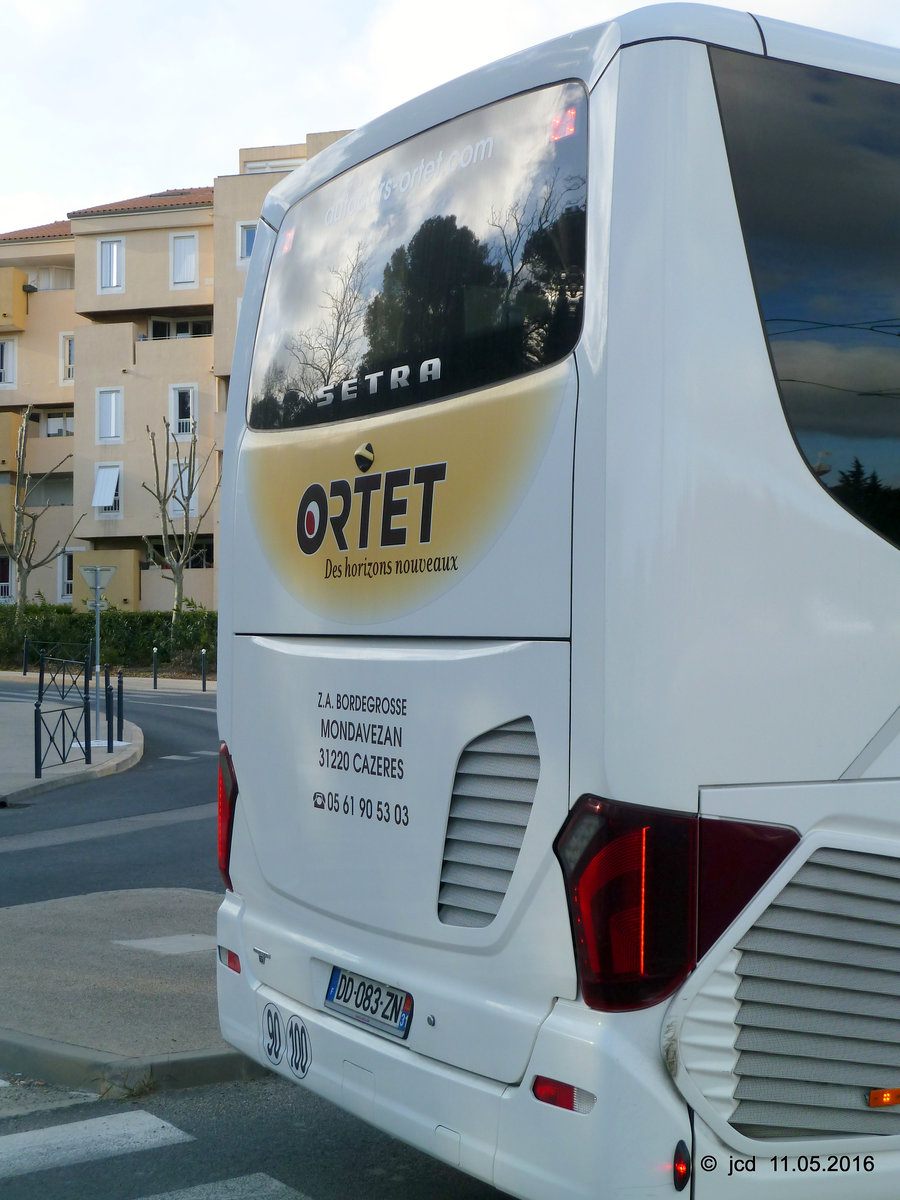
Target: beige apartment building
{"points": [[112, 322]]}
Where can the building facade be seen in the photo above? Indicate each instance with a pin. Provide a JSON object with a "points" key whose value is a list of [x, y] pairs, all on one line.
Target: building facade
{"points": [[114, 324]]}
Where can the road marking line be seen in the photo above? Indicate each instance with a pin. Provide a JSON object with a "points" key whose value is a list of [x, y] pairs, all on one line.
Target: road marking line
{"points": [[177, 757], [114, 827], [177, 943], [85, 1141], [205, 708], [244, 1187]]}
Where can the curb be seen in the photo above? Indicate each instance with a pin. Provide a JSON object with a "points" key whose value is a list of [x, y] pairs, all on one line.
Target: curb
{"points": [[80, 1068], [122, 761]]}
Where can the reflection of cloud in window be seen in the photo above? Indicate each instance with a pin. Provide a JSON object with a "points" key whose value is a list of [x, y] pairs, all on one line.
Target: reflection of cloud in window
{"points": [[822, 133], [848, 390], [515, 162]]}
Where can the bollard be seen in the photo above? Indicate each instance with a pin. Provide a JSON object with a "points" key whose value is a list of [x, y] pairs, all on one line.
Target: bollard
{"points": [[25, 657], [37, 739], [109, 717], [41, 678], [87, 718], [155, 654], [120, 709], [203, 668]]}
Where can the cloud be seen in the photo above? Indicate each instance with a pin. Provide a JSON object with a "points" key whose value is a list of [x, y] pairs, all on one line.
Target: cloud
{"points": [[122, 98]]}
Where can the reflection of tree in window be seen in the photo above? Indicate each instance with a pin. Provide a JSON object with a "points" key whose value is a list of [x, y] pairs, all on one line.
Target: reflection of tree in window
{"points": [[490, 309], [557, 275], [866, 496], [322, 355], [541, 249], [437, 293], [329, 352], [266, 407]]}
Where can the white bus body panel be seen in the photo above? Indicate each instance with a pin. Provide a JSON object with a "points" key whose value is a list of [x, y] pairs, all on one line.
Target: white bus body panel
{"points": [[329, 884], [702, 471]]}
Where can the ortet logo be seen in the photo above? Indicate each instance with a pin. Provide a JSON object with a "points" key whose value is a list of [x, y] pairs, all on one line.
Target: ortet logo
{"points": [[405, 498]]}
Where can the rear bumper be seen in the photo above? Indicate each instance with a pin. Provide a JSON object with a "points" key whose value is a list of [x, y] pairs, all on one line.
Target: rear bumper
{"points": [[497, 1133]]}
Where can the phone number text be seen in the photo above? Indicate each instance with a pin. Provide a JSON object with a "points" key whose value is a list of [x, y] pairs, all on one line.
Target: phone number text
{"points": [[362, 807]]}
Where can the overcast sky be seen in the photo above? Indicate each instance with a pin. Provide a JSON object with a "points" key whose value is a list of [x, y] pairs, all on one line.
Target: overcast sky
{"points": [[109, 99]]}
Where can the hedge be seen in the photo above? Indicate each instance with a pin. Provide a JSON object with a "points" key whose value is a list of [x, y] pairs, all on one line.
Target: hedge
{"points": [[126, 638]]}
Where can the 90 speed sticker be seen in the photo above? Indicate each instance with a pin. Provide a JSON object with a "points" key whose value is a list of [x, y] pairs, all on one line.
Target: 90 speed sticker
{"points": [[292, 1043], [272, 1034]]}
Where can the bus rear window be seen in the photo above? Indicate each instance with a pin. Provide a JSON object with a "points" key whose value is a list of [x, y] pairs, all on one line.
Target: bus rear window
{"points": [[452, 261]]}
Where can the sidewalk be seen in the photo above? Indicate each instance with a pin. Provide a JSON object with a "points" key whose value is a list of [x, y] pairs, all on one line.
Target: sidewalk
{"points": [[17, 778], [113, 992]]}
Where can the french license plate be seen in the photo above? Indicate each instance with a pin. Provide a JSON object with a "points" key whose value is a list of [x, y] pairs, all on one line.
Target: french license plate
{"points": [[386, 1008]]}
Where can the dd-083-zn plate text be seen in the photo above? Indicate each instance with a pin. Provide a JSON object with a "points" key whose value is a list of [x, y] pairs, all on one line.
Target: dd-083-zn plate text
{"points": [[385, 1008]]}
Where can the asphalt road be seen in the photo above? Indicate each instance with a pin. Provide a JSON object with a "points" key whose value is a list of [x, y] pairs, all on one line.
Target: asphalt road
{"points": [[262, 1140], [78, 843]]}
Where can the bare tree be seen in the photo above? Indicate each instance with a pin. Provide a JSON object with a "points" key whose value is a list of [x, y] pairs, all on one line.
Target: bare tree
{"points": [[175, 488], [20, 543], [329, 351], [526, 219]]}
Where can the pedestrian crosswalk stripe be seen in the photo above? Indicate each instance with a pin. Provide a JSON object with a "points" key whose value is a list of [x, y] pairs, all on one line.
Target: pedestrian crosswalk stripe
{"points": [[84, 1141], [113, 827], [244, 1187], [174, 943]]}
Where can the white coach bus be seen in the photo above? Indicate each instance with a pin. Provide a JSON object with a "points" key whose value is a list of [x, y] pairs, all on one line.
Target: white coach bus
{"points": [[560, 619]]}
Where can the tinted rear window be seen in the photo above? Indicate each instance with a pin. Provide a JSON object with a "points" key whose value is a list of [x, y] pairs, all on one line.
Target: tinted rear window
{"points": [[815, 160], [452, 261]]}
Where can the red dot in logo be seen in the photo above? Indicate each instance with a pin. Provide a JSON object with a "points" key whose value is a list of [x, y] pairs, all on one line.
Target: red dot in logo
{"points": [[311, 522]]}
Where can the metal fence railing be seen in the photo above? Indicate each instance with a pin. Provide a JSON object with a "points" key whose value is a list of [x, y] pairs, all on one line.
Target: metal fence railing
{"points": [[63, 733], [67, 727], [68, 733]]}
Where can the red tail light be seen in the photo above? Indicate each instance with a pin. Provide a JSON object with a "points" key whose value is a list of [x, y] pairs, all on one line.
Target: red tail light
{"points": [[562, 1095], [649, 891], [681, 1167], [228, 791]]}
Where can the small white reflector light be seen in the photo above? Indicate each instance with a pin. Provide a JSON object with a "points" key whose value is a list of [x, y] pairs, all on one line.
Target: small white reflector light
{"points": [[229, 959]]}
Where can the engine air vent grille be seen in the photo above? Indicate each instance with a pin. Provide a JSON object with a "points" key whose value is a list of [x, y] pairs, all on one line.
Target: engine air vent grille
{"points": [[493, 791], [819, 995]]}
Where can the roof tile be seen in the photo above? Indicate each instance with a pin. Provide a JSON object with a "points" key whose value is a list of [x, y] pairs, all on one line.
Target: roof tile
{"points": [[173, 198], [39, 233]]}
